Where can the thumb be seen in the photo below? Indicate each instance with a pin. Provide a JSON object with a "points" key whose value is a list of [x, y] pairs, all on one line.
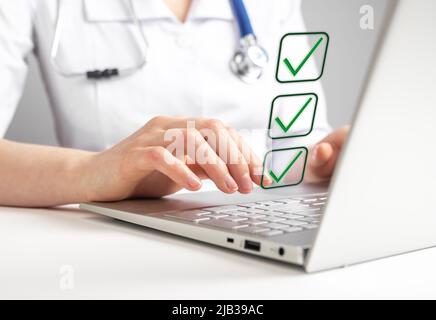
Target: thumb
{"points": [[321, 154], [321, 162]]}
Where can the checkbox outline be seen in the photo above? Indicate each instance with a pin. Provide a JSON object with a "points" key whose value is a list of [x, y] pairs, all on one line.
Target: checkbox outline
{"points": [[270, 121], [306, 153], [302, 34]]}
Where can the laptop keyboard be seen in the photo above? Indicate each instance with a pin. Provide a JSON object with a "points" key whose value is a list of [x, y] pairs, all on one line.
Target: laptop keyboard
{"points": [[264, 218]]}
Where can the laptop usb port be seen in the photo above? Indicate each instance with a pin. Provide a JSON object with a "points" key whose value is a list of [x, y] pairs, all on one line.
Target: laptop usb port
{"points": [[252, 245]]}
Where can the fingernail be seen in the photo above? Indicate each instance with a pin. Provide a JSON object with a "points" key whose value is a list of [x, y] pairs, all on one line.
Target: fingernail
{"points": [[194, 182], [314, 157], [267, 181], [230, 183], [246, 183]]}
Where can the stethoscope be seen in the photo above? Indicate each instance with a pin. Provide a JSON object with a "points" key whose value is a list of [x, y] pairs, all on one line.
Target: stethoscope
{"points": [[247, 63]]}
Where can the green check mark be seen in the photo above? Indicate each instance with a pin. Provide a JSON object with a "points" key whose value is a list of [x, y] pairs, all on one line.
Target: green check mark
{"points": [[277, 179], [301, 65], [286, 128]]}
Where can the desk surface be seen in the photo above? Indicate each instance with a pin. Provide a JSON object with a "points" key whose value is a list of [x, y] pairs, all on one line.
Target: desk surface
{"points": [[113, 259]]}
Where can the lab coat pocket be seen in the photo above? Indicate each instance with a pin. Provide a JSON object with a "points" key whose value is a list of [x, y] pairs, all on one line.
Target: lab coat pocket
{"points": [[95, 35], [114, 42]]}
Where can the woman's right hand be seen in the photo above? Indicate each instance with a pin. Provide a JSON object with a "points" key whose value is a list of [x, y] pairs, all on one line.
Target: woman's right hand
{"points": [[143, 166]]}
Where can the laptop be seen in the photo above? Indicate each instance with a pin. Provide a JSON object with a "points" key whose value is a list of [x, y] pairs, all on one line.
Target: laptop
{"points": [[379, 202]]}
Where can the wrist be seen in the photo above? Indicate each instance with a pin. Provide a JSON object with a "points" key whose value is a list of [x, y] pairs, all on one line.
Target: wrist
{"points": [[79, 171]]}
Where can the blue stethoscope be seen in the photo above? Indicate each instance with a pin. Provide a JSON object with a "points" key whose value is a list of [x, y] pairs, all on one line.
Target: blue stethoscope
{"points": [[247, 63], [250, 58]]}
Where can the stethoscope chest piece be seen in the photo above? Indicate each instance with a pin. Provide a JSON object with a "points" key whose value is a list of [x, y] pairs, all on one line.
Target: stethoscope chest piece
{"points": [[249, 60]]}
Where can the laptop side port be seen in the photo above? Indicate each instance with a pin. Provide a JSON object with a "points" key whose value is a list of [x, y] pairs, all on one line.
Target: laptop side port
{"points": [[252, 245]]}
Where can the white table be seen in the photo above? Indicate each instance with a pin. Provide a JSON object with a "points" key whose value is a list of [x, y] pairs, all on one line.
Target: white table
{"points": [[111, 259]]}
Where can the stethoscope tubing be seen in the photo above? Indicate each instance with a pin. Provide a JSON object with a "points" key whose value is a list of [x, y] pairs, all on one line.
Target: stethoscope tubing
{"points": [[96, 74], [242, 18]]}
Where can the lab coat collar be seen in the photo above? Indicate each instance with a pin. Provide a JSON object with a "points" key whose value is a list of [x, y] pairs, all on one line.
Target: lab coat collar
{"points": [[210, 9], [118, 10]]}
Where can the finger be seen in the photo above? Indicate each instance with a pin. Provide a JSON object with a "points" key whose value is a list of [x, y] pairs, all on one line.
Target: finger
{"points": [[254, 163], [244, 168], [198, 171], [167, 122], [182, 140], [337, 137], [321, 154], [324, 155], [210, 162], [227, 149], [160, 159], [323, 160]]}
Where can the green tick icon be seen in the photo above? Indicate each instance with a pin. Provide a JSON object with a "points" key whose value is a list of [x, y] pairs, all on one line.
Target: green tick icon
{"points": [[292, 115], [302, 63], [287, 127], [280, 177], [294, 162], [296, 65]]}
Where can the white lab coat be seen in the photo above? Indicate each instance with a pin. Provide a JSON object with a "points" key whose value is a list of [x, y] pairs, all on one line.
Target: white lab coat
{"points": [[187, 73]]}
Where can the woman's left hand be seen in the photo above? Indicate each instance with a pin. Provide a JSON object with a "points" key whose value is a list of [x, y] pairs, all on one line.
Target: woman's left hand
{"points": [[324, 155]]}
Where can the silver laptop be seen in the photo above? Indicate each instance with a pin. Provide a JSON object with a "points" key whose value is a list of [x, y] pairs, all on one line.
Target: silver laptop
{"points": [[380, 201]]}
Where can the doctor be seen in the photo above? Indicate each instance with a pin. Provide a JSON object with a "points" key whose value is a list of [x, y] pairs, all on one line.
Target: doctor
{"points": [[169, 65]]}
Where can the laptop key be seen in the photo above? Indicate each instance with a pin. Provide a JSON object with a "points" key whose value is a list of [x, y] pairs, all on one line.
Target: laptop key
{"points": [[318, 204], [256, 216], [311, 226], [197, 212], [255, 222], [291, 208], [271, 233], [270, 203], [272, 213], [222, 208], [273, 219], [187, 216], [291, 216], [310, 215], [238, 214], [292, 229], [310, 219], [310, 200], [235, 219], [273, 225], [249, 205], [253, 229], [294, 223], [253, 210], [289, 201], [216, 215], [307, 212], [311, 209], [220, 223], [232, 213]]}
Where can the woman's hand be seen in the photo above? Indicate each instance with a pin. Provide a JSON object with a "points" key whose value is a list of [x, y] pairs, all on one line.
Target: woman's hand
{"points": [[324, 155], [143, 166]]}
